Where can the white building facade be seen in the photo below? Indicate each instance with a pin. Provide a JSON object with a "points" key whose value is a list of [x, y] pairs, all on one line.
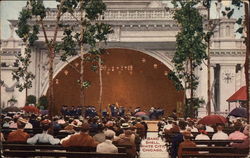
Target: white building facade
{"points": [[142, 25]]}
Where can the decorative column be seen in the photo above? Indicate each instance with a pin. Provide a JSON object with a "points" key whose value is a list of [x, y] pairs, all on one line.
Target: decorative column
{"points": [[227, 85]]}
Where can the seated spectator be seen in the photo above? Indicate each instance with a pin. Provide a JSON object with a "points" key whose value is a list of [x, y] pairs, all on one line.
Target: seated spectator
{"points": [[176, 139], [34, 120], [44, 137], [182, 124], [28, 125], [107, 146], [140, 128], [77, 130], [203, 134], [6, 121], [245, 143], [209, 129], [125, 127], [19, 135], [81, 139], [13, 124], [186, 143], [220, 135], [126, 140], [169, 125], [190, 125], [100, 136], [237, 135]]}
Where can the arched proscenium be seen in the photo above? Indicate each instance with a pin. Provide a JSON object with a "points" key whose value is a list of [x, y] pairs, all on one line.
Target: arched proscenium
{"points": [[157, 55]]}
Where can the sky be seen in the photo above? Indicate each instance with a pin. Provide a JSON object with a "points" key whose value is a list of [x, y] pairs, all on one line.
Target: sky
{"points": [[9, 9]]}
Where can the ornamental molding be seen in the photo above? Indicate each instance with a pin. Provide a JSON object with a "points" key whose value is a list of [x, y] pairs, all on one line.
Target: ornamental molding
{"points": [[227, 52], [122, 14], [10, 51]]}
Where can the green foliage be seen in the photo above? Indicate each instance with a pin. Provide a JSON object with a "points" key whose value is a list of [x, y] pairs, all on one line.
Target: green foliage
{"points": [[192, 105], [94, 8], [12, 99], [93, 32], [86, 32], [84, 84], [37, 8], [31, 99], [28, 33], [22, 75], [171, 75], [43, 102], [191, 46]]}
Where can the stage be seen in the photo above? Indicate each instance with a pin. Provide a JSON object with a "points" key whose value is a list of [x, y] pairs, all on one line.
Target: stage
{"points": [[152, 125]]}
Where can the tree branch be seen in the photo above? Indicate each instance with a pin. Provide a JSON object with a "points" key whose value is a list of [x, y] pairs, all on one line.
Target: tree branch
{"points": [[72, 14], [45, 34], [73, 67], [57, 20]]}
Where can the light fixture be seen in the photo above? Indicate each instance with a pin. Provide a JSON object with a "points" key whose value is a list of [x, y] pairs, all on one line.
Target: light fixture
{"points": [[143, 60], [165, 73], [155, 66], [57, 81], [76, 64], [66, 72]]}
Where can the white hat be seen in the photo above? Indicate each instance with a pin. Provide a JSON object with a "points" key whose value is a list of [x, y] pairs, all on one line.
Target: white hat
{"points": [[109, 133]]}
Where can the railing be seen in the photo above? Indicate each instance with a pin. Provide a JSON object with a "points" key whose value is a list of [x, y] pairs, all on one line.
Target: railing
{"points": [[129, 14]]}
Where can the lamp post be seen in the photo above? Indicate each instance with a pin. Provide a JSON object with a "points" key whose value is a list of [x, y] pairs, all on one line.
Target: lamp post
{"points": [[247, 16], [207, 4]]}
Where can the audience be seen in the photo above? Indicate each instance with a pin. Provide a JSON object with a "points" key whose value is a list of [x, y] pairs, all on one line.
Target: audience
{"points": [[237, 135], [127, 130], [220, 135], [81, 139], [203, 134], [107, 146], [245, 143], [19, 135], [186, 143], [177, 138], [44, 137], [126, 139]]}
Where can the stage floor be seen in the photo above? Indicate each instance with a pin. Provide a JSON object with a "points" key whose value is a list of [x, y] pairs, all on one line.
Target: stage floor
{"points": [[152, 126]]}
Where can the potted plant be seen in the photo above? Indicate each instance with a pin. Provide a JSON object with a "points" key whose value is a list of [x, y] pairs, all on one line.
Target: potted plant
{"points": [[31, 100], [12, 101]]}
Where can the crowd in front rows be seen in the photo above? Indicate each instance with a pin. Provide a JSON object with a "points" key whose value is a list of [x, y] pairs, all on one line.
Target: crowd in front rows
{"points": [[106, 133], [180, 133], [101, 133]]}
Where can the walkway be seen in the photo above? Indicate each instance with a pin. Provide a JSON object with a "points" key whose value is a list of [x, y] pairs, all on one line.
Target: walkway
{"points": [[153, 146]]}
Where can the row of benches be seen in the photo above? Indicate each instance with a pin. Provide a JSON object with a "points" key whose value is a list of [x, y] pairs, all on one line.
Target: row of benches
{"points": [[27, 150], [213, 149], [215, 152]]}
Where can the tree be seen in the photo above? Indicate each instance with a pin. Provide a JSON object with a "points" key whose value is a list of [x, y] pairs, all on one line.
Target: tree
{"points": [[32, 19], [91, 36], [190, 51], [28, 34]]}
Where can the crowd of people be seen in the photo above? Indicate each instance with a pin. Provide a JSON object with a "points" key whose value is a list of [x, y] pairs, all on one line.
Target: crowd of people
{"points": [[181, 133], [113, 110], [104, 133]]}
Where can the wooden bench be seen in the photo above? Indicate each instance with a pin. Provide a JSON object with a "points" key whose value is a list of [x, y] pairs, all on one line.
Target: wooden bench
{"points": [[28, 153], [214, 155], [216, 142], [10, 146], [214, 152], [217, 149]]}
